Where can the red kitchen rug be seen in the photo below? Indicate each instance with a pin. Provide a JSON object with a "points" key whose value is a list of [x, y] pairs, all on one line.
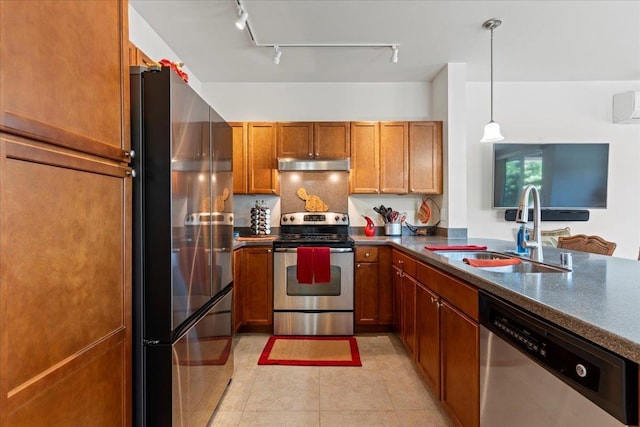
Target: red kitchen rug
{"points": [[310, 351]]}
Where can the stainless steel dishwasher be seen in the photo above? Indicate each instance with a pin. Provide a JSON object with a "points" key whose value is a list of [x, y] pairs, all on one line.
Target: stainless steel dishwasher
{"points": [[533, 373]]}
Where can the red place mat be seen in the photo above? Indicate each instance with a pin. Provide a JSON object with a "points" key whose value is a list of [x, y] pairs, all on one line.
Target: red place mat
{"points": [[310, 351]]}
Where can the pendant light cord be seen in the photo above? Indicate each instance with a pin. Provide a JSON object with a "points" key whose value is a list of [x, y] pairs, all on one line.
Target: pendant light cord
{"points": [[491, 73]]}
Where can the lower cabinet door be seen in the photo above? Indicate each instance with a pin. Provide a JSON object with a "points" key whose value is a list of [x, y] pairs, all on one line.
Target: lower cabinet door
{"points": [[459, 341], [428, 336], [366, 281], [409, 313]]}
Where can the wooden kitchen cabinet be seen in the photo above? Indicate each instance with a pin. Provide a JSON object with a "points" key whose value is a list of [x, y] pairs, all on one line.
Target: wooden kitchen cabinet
{"points": [[448, 342], [138, 57], [314, 140], [254, 158], [394, 157], [404, 286], [428, 336], [46, 93], [373, 289], [65, 281], [425, 157], [256, 286], [240, 158], [332, 140], [367, 286], [459, 343], [365, 158]]}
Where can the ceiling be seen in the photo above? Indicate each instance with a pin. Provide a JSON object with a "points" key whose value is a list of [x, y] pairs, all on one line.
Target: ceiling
{"points": [[537, 41]]}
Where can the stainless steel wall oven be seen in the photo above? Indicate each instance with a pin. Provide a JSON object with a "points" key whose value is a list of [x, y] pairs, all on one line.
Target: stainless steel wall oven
{"points": [[316, 308]]}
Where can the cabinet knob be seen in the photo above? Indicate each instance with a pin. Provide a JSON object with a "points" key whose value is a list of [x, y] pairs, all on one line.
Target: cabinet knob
{"points": [[357, 265], [400, 262], [366, 255], [131, 173], [310, 154], [268, 251], [273, 191], [131, 154]]}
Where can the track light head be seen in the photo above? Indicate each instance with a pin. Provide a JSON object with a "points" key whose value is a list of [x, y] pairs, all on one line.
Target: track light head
{"points": [[394, 55], [277, 55], [241, 23]]}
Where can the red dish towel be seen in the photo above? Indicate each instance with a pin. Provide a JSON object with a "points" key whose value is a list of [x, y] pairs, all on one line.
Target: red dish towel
{"points": [[305, 265], [457, 248], [322, 264], [491, 262]]}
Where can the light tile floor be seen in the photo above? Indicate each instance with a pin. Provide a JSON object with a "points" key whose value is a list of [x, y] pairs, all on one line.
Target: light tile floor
{"points": [[386, 391]]}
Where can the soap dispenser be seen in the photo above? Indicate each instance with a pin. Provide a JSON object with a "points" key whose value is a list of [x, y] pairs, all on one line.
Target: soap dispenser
{"points": [[521, 238]]}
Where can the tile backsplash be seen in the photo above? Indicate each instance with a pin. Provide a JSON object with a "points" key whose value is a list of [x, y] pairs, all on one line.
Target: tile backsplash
{"points": [[331, 187]]}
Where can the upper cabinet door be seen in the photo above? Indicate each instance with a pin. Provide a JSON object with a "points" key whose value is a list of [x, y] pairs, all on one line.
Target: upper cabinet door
{"points": [[295, 140], [394, 161], [425, 153], [239, 157], [331, 140], [40, 94], [365, 144], [262, 168]]}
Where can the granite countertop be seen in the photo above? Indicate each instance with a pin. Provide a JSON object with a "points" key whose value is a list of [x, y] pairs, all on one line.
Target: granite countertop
{"points": [[599, 300]]}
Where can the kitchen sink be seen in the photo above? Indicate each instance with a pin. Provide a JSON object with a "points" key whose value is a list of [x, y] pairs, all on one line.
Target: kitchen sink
{"points": [[460, 255], [525, 266]]}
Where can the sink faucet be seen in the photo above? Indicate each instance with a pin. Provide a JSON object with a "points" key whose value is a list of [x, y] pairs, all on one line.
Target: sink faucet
{"points": [[522, 217]]}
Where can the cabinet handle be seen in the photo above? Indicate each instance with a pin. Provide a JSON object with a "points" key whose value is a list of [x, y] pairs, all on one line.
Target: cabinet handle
{"points": [[400, 262]]}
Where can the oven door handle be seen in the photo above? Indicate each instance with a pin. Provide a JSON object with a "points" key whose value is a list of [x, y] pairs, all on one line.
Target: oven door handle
{"points": [[332, 250]]}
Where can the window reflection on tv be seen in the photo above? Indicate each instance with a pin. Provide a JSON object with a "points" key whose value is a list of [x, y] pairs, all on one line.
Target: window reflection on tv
{"points": [[566, 175]]}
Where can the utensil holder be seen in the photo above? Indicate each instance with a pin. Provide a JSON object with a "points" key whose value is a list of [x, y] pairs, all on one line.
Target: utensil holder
{"points": [[393, 229]]}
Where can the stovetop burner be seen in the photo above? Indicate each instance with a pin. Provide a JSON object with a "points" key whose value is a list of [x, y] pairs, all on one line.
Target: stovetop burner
{"points": [[314, 229]]}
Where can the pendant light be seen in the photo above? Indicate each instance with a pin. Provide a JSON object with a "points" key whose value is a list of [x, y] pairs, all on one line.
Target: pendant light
{"points": [[492, 129]]}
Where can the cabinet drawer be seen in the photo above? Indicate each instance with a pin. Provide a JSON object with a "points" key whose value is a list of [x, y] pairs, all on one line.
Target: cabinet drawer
{"points": [[366, 254], [461, 295], [404, 263]]}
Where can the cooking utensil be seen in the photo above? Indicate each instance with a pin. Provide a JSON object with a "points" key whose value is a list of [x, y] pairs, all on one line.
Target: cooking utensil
{"points": [[402, 216]]}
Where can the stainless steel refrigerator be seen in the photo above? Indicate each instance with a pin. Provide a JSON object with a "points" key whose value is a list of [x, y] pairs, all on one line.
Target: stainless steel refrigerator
{"points": [[183, 252]]}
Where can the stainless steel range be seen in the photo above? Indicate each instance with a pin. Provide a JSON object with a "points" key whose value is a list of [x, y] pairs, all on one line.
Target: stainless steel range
{"points": [[323, 307]]}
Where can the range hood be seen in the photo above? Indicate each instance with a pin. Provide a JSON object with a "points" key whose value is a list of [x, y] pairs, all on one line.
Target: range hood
{"points": [[313, 165]]}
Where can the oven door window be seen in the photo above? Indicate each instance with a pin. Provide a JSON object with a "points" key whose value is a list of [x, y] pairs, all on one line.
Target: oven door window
{"points": [[332, 288]]}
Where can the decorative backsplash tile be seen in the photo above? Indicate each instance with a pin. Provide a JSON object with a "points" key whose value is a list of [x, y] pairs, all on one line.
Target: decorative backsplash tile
{"points": [[331, 187]]}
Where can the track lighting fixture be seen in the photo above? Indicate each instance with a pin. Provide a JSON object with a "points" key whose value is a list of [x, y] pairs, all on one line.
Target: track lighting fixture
{"points": [[242, 21], [394, 56], [492, 129], [277, 54]]}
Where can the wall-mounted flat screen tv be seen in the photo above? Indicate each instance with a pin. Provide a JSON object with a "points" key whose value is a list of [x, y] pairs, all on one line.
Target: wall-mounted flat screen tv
{"points": [[567, 175]]}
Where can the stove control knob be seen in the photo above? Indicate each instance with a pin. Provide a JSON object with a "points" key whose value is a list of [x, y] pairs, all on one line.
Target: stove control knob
{"points": [[337, 218], [344, 218], [291, 218], [285, 219]]}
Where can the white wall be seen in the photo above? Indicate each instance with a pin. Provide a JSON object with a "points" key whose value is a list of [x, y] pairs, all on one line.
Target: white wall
{"points": [[556, 112], [146, 39]]}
